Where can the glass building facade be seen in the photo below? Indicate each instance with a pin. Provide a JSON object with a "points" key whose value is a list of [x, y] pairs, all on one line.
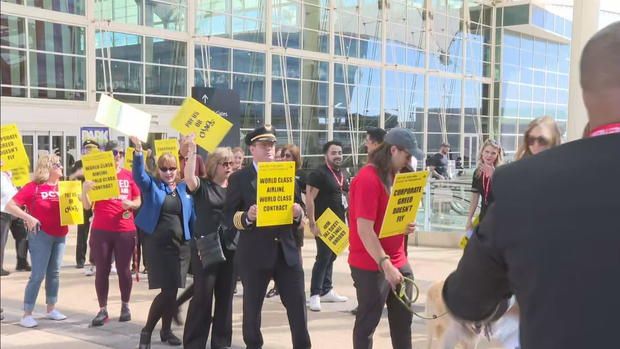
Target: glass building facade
{"points": [[456, 71]]}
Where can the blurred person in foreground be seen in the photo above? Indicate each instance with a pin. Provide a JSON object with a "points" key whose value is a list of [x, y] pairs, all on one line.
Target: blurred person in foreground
{"points": [[568, 240]]}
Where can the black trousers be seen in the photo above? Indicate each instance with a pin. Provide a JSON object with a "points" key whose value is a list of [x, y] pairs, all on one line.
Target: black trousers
{"points": [[290, 283], [373, 292], [215, 282], [321, 281], [82, 241], [18, 230]]}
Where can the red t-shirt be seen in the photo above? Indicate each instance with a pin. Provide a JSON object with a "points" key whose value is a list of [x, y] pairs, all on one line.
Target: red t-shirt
{"points": [[108, 214], [368, 199], [42, 202]]}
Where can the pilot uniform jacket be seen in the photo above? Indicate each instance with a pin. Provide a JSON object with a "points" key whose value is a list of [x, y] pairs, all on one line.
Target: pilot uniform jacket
{"points": [[552, 237], [257, 247]]}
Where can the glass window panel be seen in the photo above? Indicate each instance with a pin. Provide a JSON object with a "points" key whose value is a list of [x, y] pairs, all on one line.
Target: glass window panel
{"points": [[57, 71], [314, 118], [166, 16], [249, 87], [248, 62], [13, 31], [122, 46], [312, 142], [54, 37], [75, 7], [164, 51], [211, 23], [248, 30], [13, 92], [317, 41], [252, 115], [316, 18], [161, 80], [122, 11], [278, 116], [126, 77], [56, 94], [13, 68], [293, 87], [164, 100]]}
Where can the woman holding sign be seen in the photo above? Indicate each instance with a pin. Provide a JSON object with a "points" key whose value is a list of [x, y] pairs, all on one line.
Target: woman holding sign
{"points": [[46, 236], [378, 265], [213, 274], [113, 233], [165, 217]]}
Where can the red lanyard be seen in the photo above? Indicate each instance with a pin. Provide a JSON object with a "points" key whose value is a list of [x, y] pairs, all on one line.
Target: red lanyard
{"points": [[339, 181], [486, 187], [606, 130]]}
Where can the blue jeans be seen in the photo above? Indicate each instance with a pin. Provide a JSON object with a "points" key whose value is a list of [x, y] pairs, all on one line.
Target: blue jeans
{"points": [[321, 281], [46, 253]]}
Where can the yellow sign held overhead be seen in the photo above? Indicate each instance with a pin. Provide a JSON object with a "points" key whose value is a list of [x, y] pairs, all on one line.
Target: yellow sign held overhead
{"points": [[334, 232], [100, 168], [12, 151], [403, 204], [163, 146], [209, 128], [71, 209], [275, 193]]}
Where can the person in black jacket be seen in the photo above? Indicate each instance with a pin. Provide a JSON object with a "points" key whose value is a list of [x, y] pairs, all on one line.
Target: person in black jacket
{"points": [[265, 252], [217, 280], [552, 236]]}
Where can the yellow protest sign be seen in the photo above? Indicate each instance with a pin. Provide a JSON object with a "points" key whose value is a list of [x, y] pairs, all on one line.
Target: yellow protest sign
{"points": [[209, 128], [71, 209], [275, 193], [12, 151], [403, 204], [163, 146], [128, 165], [334, 232], [20, 176], [100, 168], [123, 117]]}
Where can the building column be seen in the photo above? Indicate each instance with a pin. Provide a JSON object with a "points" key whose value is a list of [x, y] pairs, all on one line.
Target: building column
{"points": [[585, 25]]}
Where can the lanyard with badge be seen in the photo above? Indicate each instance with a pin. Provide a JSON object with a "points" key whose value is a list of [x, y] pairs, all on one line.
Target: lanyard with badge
{"points": [[340, 183]]}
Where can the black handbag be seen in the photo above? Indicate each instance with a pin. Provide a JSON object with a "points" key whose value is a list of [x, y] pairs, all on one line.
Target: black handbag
{"points": [[210, 249]]}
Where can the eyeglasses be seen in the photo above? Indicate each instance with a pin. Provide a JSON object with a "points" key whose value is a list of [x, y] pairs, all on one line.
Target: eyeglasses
{"points": [[226, 164], [118, 152], [167, 169], [288, 155], [57, 165], [540, 140]]}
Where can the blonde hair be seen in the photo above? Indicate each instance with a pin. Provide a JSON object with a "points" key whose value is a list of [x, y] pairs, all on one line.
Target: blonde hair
{"points": [[220, 154], [498, 161], [44, 165], [168, 160], [544, 122]]}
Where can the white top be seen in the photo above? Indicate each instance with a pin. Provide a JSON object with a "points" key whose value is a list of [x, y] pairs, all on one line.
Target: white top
{"points": [[7, 189]]}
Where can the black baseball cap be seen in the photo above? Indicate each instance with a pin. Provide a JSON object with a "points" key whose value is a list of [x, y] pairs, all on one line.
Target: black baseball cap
{"points": [[261, 134]]}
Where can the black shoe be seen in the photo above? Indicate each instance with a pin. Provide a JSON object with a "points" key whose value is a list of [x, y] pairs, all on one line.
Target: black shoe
{"points": [[100, 319], [4, 272], [79, 265], [125, 314], [354, 311], [169, 337], [272, 293], [145, 340], [23, 267]]}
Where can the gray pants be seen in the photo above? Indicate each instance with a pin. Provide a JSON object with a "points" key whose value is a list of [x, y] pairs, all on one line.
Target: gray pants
{"points": [[373, 293], [5, 224]]}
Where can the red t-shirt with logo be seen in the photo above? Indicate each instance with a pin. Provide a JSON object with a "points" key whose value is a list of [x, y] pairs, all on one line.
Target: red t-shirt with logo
{"points": [[42, 202], [368, 199], [108, 214]]}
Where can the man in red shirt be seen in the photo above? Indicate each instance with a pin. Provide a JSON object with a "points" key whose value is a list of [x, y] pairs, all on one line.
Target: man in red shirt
{"points": [[377, 266]]}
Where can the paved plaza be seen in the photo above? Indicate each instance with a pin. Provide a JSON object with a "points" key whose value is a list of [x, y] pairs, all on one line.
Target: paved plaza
{"points": [[330, 328]]}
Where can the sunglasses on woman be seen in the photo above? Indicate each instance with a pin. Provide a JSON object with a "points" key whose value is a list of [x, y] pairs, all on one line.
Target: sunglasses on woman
{"points": [[118, 152], [540, 140], [226, 164], [167, 169], [57, 165]]}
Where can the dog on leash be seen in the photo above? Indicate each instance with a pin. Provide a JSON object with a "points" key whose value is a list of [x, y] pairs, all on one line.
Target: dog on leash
{"points": [[451, 332]]}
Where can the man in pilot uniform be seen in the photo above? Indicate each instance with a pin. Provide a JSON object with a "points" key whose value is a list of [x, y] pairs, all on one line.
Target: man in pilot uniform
{"points": [[266, 252]]}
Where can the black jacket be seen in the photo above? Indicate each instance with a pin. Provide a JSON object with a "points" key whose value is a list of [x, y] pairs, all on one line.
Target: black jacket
{"points": [[257, 247], [552, 238]]}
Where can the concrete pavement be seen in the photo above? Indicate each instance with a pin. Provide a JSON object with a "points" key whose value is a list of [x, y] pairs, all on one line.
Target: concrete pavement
{"points": [[330, 328]]}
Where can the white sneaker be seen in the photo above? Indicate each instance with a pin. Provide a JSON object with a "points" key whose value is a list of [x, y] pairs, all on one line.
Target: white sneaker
{"points": [[315, 303], [28, 321], [89, 271], [333, 297], [113, 269], [56, 315]]}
